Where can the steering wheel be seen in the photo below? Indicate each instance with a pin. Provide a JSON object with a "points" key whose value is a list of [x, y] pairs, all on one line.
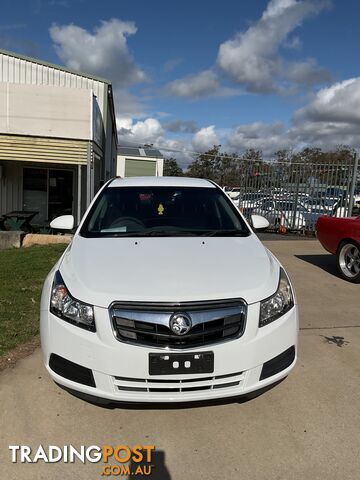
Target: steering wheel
{"points": [[124, 222]]}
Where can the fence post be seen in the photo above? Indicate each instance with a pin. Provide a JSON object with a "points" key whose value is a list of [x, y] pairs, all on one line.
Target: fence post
{"points": [[353, 184], [296, 197]]}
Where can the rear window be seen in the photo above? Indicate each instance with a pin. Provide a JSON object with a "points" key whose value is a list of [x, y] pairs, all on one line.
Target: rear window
{"points": [[168, 211]]}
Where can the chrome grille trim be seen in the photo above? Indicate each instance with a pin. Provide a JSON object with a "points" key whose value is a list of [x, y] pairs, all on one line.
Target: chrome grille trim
{"points": [[178, 306], [147, 324]]}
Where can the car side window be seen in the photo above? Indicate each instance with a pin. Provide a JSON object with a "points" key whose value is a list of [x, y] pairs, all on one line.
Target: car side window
{"points": [[267, 205]]}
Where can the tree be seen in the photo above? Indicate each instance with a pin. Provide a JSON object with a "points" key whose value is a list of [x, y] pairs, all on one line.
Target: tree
{"points": [[236, 169], [171, 168], [283, 156], [253, 155], [204, 164], [222, 168]]}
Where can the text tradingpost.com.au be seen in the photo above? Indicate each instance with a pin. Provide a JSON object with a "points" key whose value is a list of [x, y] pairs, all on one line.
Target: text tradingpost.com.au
{"points": [[140, 457]]}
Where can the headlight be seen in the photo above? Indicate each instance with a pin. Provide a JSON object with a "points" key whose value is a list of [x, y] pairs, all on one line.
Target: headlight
{"points": [[281, 302], [64, 306]]}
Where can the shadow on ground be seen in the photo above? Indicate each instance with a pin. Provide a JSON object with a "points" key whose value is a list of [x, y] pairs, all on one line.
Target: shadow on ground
{"points": [[158, 471], [323, 261]]}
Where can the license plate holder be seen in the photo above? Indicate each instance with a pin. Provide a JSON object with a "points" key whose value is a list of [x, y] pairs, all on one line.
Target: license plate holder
{"points": [[180, 363]]}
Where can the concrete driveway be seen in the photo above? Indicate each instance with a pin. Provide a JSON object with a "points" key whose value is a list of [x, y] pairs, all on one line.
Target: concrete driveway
{"points": [[306, 427]]}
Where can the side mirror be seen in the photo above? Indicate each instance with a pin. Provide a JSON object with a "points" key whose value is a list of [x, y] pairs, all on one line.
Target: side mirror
{"points": [[259, 222], [65, 222]]}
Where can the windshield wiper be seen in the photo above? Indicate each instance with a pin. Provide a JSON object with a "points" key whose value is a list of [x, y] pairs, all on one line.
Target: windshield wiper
{"points": [[157, 233], [225, 233], [169, 233]]}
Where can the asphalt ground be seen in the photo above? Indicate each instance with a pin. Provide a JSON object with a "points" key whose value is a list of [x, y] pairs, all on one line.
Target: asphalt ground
{"points": [[307, 427]]}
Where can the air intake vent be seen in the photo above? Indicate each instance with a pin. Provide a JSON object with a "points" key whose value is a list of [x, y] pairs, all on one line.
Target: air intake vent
{"points": [[277, 364], [72, 371]]}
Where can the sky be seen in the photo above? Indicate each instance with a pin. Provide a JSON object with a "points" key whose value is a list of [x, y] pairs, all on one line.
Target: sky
{"points": [[263, 74]]}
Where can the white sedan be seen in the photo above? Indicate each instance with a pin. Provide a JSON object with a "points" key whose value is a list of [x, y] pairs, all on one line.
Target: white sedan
{"points": [[166, 295]]}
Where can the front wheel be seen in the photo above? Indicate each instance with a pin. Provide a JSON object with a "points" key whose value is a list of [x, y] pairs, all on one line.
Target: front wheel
{"points": [[348, 261]]}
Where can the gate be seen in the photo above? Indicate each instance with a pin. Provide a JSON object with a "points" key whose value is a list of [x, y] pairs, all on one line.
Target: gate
{"points": [[293, 195]]}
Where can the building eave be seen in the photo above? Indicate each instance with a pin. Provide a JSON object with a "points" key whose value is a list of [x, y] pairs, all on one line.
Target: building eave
{"points": [[53, 65]]}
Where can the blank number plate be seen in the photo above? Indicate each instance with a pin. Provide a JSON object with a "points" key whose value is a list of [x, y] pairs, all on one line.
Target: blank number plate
{"points": [[173, 363]]}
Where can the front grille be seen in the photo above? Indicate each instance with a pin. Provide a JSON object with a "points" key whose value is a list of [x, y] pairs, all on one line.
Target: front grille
{"points": [[148, 324], [154, 386]]}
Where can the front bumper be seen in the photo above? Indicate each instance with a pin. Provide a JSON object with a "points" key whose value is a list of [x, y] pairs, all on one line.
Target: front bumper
{"points": [[120, 370]]}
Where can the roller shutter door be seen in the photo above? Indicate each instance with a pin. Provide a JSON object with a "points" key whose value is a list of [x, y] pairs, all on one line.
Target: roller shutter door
{"points": [[140, 168]]}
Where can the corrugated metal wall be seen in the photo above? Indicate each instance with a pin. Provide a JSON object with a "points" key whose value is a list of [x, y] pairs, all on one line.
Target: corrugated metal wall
{"points": [[18, 70], [36, 149]]}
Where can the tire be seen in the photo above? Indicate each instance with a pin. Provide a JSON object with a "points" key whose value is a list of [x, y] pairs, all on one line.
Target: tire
{"points": [[348, 261]]}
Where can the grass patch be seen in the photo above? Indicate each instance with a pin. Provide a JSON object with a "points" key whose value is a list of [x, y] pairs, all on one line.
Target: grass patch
{"points": [[22, 273]]}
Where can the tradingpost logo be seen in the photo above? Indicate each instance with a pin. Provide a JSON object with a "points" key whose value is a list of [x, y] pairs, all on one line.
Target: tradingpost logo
{"points": [[115, 459]]}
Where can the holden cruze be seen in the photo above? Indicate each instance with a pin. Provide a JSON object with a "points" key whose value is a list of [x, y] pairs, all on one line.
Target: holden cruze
{"points": [[166, 294]]}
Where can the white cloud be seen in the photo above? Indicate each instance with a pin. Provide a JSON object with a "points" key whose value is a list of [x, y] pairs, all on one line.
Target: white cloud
{"points": [[331, 118], [307, 72], [103, 52], [199, 85], [180, 149], [252, 57], [127, 105], [325, 135], [205, 138], [182, 126], [338, 103], [149, 130], [293, 43], [268, 137]]}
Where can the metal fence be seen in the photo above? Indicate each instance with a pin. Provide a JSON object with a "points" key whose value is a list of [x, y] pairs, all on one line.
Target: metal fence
{"points": [[293, 195]]}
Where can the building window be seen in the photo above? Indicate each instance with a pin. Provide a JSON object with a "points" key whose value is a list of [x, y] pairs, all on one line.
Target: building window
{"points": [[49, 192]]}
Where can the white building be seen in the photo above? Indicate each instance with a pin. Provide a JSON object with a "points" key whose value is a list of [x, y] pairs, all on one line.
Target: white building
{"points": [[58, 139], [135, 162]]}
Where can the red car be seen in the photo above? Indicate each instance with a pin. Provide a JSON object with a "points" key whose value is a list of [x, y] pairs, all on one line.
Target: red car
{"points": [[341, 236]]}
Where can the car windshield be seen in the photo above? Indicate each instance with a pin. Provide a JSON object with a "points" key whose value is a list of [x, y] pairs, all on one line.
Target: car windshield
{"points": [[330, 202], [251, 196], [288, 206], [163, 211]]}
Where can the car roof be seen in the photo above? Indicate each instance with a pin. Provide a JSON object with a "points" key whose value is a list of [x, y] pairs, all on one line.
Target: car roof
{"points": [[161, 182]]}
